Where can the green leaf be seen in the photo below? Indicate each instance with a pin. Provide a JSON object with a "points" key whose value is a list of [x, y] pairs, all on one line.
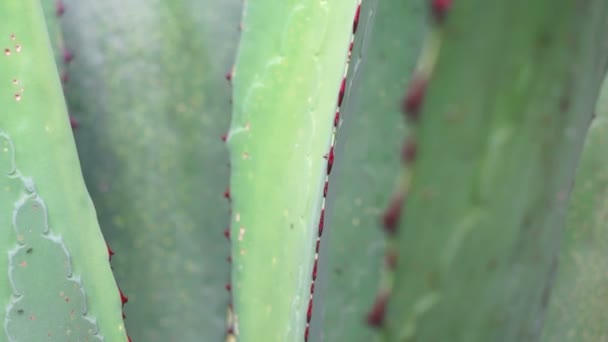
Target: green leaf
{"points": [[56, 283], [367, 167], [287, 78], [577, 308], [147, 87], [500, 134]]}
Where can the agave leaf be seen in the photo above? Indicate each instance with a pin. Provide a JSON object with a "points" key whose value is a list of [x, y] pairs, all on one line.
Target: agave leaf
{"points": [[500, 134], [367, 166], [577, 308], [148, 90], [287, 78], [56, 283]]}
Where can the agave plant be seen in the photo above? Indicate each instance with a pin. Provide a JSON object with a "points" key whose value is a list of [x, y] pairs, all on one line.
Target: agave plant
{"points": [[304, 170]]}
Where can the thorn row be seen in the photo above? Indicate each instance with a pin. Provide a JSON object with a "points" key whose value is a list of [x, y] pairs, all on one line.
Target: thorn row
{"points": [[410, 106], [228, 287], [330, 162]]}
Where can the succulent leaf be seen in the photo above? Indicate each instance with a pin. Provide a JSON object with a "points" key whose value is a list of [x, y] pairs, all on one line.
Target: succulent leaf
{"points": [[146, 84], [288, 82], [500, 130], [48, 224], [577, 307], [367, 167]]}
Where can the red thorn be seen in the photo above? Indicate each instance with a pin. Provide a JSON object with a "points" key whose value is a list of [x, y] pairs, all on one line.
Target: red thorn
{"points": [[110, 252], [391, 216], [228, 287], [414, 97], [227, 233], [309, 312], [356, 21], [375, 316], [318, 245], [440, 8], [229, 76], [312, 287], [306, 334], [123, 299], [68, 56], [409, 150], [314, 270], [337, 118], [330, 159], [227, 193], [129, 338], [59, 8], [325, 188], [73, 122], [321, 220], [341, 93], [224, 137]]}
